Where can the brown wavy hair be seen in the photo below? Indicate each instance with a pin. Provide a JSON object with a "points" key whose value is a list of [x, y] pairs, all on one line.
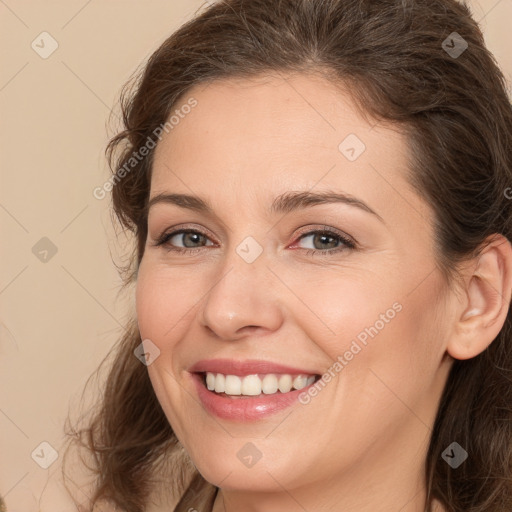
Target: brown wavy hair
{"points": [[458, 120]]}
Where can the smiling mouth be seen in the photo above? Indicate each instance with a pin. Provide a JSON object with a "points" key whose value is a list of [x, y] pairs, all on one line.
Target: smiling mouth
{"points": [[255, 385]]}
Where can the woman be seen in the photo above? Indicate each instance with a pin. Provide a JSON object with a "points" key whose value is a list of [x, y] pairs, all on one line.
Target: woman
{"points": [[340, 336]]}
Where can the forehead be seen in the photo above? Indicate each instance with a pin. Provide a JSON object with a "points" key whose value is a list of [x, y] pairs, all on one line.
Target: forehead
{"points": [[254, 138]]}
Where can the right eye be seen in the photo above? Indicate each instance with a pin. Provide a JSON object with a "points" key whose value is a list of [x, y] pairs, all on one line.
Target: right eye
{"points": [[186, 236]]}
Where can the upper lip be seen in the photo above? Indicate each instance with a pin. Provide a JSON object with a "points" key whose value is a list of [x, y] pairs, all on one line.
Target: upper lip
{"points": [[245, 367]]}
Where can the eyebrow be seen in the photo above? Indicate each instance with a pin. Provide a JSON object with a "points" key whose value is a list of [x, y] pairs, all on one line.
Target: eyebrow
{"points": [[284, 203]]}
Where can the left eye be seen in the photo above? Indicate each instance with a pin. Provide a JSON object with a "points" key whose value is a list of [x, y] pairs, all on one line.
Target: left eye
{"points": [[327, 240]]}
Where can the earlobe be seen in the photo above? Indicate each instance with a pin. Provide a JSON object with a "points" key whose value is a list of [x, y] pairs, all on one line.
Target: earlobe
{"points": [[486, 302]]}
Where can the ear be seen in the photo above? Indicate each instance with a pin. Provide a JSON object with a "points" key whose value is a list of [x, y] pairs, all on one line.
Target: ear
{"points": [[486, 299]]}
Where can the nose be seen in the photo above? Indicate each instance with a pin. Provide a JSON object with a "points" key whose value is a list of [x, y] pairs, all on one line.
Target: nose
{"points": [[243, 300]]}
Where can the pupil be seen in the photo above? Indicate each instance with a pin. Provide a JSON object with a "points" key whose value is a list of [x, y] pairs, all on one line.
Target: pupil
{"points": [[324, 237], [192, 235]]}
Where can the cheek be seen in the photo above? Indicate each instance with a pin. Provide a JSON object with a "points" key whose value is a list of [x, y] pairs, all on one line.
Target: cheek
{"points": [[160, 302], [346, 312], [387, 340], [396, 370], [159, 306]]}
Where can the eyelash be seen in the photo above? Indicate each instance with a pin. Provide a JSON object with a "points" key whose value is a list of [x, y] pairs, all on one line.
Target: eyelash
{"points": [[348, 244]]}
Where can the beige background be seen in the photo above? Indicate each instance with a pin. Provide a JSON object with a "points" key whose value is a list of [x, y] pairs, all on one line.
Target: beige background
{"points": [[58, 318]]}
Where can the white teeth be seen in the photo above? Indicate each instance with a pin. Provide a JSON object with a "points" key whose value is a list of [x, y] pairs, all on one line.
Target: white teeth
{"points": [[253, 385], [301, 381], [220, 381], [285, 383], [269, 384], [233, 385], [210, 381]]}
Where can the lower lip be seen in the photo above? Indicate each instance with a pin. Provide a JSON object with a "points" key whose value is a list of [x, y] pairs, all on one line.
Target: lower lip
{"points": [[244, 408]]}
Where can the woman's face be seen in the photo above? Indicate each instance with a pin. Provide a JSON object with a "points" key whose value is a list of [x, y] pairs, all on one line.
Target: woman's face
{"points": [[367, 309]]}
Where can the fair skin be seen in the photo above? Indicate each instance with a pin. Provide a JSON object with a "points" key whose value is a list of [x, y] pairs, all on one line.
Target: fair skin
{"points": [[360, 444]]}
